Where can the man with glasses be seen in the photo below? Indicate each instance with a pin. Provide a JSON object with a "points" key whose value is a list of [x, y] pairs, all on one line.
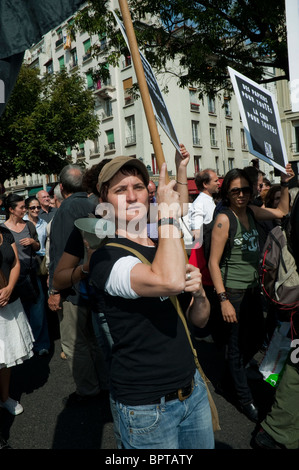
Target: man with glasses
{"points": [[47, 212]]}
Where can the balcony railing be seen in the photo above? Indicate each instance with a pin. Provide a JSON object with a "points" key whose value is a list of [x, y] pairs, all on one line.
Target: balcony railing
{"points": [[196, 141], [131, 140], [194, 107], [129, 100], [109, 147]]}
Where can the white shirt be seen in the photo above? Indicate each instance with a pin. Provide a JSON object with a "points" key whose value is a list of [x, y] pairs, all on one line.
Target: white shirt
{"points": [[41, 228], [119, 281], [201, 211]]}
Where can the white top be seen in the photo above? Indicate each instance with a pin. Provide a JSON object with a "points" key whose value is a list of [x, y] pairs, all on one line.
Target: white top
{"points": [[201, 211], [118, 283], [41, 228]]}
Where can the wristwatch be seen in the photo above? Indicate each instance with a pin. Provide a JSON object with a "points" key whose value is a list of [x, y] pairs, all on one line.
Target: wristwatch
{"points": [[53, 292]]}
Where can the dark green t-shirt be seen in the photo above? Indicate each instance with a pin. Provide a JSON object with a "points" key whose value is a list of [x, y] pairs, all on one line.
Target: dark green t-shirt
{"points": [[240, 268]]}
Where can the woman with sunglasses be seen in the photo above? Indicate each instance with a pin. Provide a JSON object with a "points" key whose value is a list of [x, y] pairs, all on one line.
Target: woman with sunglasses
{"points": [[33, 208], [235, 277]]}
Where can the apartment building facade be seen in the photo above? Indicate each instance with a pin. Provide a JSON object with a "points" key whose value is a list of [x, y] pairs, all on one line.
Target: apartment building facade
{"points": [[210, 128]]}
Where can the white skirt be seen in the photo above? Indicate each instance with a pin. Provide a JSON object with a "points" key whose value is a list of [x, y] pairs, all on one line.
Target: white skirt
{"points": [[16, 338]]}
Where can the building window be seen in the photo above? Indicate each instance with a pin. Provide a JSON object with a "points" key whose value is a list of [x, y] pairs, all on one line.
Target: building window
{"points": [[61, 63], [211, 105], [107, 105], [213, 140], [74, 58], [110, 140], [128, 95], [87, 50], [195, 133], [103, 41], [49, 67], [130, 130], [229, 142], [193, 96], [89, 80], [227, 108], [243, 140], [197, 163], [127, 60], [59, 40], [81, 152], [96, 148], [231, 163]]}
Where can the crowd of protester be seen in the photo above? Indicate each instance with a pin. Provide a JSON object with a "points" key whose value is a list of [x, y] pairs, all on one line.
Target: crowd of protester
{"points": [[118, 305]]}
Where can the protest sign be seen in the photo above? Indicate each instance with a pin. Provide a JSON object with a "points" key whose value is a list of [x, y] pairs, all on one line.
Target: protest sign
{"points": [[261, 120], [159, 106]]}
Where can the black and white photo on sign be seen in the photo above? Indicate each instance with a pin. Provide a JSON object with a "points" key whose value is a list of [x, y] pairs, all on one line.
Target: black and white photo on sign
{"points": [[158, 103], [261, 120]]}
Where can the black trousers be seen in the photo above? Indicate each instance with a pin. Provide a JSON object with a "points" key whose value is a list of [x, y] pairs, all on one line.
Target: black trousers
{"points": [[243, 338]]}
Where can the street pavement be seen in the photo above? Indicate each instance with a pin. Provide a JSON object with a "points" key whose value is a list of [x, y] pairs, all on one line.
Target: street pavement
{"points": [[41, 383]]}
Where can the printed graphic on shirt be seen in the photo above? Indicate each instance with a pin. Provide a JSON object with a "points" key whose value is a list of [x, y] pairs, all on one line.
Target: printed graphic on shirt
{"points": [[249, 241]]}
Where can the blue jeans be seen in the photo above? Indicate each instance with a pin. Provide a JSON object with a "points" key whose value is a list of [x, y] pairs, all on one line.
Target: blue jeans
{"points": [[173, 424], [36, 314]]}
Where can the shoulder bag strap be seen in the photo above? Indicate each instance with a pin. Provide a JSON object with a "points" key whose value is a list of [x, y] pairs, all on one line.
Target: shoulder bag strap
{"points": [[176, 304], [173, 299]]}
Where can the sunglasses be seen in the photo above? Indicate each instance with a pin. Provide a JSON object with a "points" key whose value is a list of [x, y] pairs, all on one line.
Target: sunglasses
{"points": [[246, 191], [32, 208]]}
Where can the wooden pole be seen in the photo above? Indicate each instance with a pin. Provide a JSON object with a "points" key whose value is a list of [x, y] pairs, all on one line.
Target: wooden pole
{"points": [[147, 104]]}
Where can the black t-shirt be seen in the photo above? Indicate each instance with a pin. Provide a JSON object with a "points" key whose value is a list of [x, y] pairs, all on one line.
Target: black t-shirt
{"points": [[7, 256], [151, 353]]}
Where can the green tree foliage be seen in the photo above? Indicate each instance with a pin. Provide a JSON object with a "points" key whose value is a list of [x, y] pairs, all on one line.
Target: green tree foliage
{"points": [[205, 37], [42, 119]]}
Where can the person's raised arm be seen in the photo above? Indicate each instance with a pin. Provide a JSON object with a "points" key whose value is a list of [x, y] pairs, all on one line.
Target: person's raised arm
{"points": [[166, 275], [181, 161], [267, 213]]}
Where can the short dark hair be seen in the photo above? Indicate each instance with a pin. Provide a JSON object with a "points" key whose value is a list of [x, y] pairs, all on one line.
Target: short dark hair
{"points": [[203, 177], [91, 176], [253, 173], [30, 199]]}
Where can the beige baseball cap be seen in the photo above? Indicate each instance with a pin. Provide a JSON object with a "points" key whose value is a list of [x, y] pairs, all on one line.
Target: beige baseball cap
{"points": [[110, 169]]}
